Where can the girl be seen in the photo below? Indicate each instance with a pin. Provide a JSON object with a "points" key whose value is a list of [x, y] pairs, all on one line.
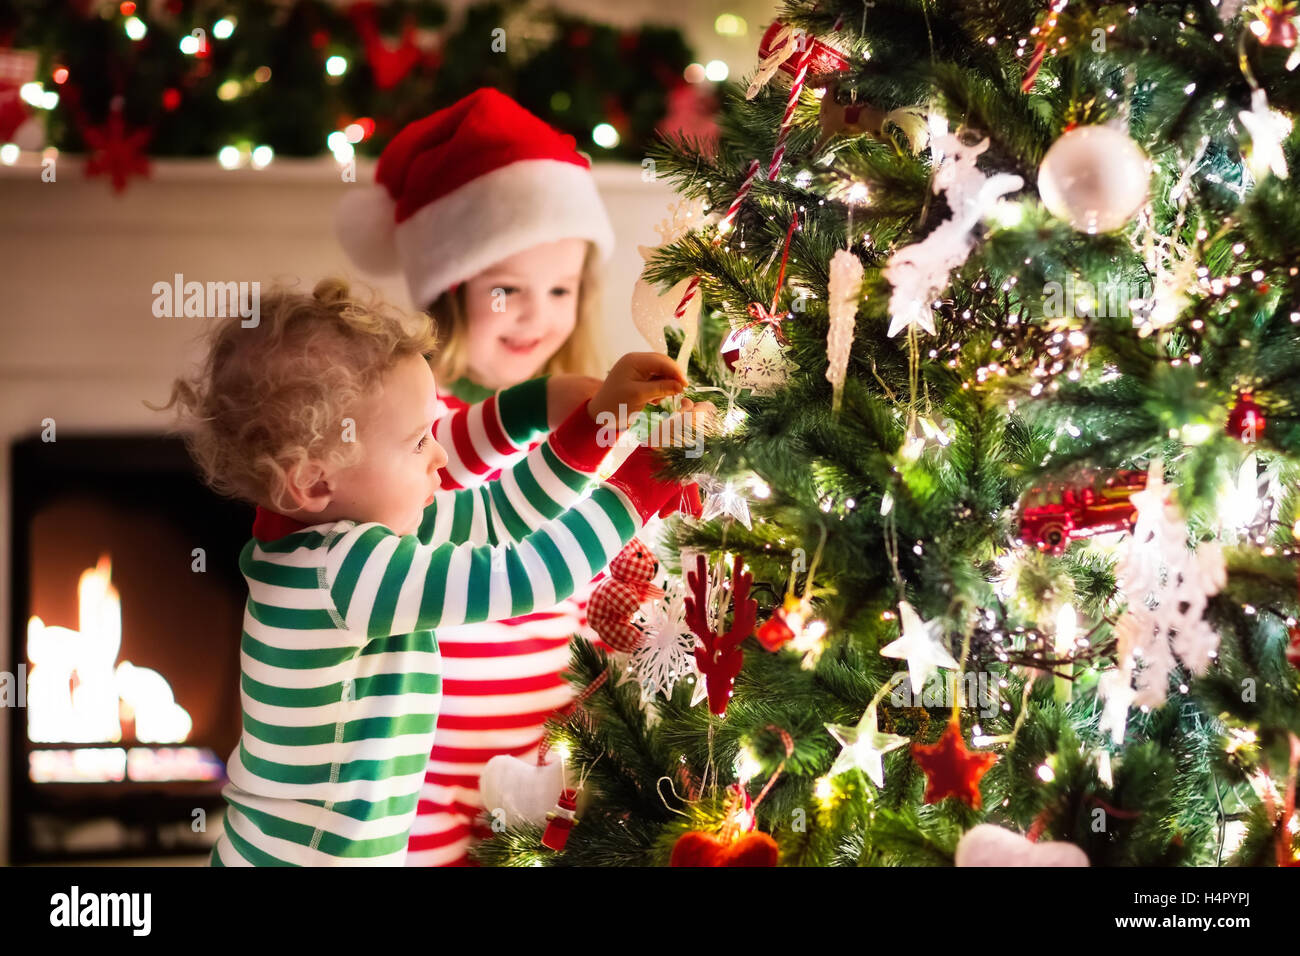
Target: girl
{"points": [[495, 221]]}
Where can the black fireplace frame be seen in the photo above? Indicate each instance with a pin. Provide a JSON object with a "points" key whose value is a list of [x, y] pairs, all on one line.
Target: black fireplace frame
{"points": [[41, 472]]}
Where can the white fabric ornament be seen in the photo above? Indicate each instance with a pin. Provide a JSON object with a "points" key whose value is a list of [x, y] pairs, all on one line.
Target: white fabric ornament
{"points": [[1228, 9], [1095, 178], [842, 307], [1167, 586], [1267, 129], [919, 272], [1117, 691], [519, 791], [989, 845]]}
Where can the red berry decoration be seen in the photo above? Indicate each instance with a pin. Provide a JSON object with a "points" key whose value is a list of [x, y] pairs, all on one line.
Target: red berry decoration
{"points": [[950, 769], [1246, 420]]}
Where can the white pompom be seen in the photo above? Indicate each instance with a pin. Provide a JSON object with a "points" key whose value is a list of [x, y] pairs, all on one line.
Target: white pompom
{"points": [[989, 845], [364, 223]]}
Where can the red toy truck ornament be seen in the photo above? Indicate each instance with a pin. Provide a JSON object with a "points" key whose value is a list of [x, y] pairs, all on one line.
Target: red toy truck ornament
{"points": [[1054, 515]]}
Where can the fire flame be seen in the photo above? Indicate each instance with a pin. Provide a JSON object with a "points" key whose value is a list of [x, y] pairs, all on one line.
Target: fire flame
{"points": [[78, 692]]}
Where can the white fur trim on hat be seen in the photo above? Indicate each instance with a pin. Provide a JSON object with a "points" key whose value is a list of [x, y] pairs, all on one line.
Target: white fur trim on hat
{"points": [[492, 217], [364, 223]]}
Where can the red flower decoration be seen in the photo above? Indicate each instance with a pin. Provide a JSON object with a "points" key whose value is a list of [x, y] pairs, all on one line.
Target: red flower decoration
{"points": [[115, 151]]}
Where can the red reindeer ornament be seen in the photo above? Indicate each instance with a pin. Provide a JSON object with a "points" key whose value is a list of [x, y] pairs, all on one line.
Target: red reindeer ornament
{"points": [[720, 656], [617, 598]]}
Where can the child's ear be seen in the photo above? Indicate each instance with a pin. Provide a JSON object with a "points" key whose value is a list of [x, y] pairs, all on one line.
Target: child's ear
{"points": [[309, 489]]}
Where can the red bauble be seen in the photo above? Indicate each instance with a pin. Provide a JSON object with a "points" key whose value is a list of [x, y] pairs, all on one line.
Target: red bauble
{"points": [[1293, 649], [734, 344], [706, 849], [825, 58], [784, 625], [950, 769], [171, 98], [1279, 28], [1246, 420]]}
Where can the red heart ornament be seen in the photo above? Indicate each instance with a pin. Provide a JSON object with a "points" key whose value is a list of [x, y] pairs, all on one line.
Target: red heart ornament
{"points": [[707, 849]]}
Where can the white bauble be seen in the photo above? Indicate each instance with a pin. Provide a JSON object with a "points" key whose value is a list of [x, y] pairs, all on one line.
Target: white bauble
{"points": [[1095, 178]]}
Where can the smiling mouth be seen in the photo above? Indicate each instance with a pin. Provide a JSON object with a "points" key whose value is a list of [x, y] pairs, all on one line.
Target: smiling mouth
{"points": [[520, 346]]}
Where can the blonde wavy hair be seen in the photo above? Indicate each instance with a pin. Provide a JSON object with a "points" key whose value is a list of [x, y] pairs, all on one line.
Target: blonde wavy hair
{"points": [[273, 396], [581, 354]]}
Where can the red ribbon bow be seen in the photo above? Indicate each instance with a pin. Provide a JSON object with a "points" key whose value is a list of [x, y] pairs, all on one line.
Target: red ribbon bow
{"points": [[765, 316]]}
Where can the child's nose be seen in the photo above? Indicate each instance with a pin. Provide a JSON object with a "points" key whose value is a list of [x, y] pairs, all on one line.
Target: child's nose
{"points": [[438, 460]]}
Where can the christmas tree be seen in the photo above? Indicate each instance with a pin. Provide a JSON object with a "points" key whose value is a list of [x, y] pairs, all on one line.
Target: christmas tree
{"points": [[997, 560]]}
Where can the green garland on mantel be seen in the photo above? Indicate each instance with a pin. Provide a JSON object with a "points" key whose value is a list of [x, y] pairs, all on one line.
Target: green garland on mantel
{"points": [[266, 75]]}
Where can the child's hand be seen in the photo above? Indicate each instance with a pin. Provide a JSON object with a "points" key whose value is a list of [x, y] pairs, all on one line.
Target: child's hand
{"points": [[636, 379], [689, 425], [564, 393]]}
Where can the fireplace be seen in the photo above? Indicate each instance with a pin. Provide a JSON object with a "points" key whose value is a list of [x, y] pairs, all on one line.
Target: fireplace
{"points": [[126, 618]]}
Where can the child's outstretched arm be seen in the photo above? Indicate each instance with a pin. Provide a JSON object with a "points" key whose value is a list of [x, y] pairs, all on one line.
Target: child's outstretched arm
{"points": [[382, 583], [491, 435], [557, 473], [536, 488]]}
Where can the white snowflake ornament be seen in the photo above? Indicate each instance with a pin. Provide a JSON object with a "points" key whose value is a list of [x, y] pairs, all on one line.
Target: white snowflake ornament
{"points": [[920, 272], [1167, 586]]}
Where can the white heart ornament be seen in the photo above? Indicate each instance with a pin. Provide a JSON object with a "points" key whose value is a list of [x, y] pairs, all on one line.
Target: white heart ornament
{"points": [[525, 791], [988, 845]]}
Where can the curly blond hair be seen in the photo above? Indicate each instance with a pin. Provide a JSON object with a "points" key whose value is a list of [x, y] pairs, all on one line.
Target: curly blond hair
{"points": [[274, 396]]}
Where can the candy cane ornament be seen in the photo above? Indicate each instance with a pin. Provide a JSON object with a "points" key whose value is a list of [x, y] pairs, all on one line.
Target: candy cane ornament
{"points": [[727, 221], [724, 227], [796, 87]]}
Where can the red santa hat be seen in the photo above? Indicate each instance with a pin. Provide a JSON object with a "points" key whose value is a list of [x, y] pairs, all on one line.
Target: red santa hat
{"points": [[465, 188]]}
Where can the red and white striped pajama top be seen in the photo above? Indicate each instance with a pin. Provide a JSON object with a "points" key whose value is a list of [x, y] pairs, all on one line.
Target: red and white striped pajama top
{"points": [[500, 680]]}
